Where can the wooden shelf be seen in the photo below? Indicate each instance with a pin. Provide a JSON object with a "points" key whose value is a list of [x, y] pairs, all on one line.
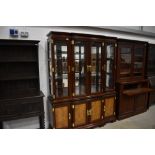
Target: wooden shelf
{"points": [[137, 91], [19, 78]]}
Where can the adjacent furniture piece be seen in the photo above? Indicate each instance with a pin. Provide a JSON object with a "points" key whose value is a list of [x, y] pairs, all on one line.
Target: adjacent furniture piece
{"points": [[132, 87], [20, 95], [151, 71], [81, 80]]}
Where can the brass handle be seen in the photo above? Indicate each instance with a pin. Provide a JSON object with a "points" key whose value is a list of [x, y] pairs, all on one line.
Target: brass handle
{"points": [[89, 67], [69, 69], [88, 112]]}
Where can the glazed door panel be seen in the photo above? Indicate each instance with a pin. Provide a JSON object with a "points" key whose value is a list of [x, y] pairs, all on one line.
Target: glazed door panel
{"points": [[62, 117], [139, 57], [79, 78], [95, 67], [109, 66], [96, 107], [79, 114], [61, 68], [125, 61], [109, 107]]}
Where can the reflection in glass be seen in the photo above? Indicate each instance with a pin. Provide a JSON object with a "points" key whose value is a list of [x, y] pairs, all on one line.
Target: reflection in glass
{"points": [[109, 65], [95, 68], [125, 64], [138, 61], [61, 69], [79, 68]]}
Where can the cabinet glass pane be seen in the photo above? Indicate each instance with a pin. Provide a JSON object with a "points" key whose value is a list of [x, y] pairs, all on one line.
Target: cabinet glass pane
{"points": [[95, 68], [109, 65], [151, 61], [138, 61], [61, 69], [125, 62], [79, 57]]}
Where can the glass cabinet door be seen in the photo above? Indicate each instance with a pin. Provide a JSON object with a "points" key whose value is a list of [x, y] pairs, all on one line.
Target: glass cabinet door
{"points": [[125, 62], [79, 64], [61, 68], [109, 67], [95, 68], [138, 61]]}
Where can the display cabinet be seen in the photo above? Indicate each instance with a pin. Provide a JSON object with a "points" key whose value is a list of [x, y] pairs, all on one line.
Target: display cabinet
{"points": [[131, 60], [82, 72], [20, 95], [132, 85]]}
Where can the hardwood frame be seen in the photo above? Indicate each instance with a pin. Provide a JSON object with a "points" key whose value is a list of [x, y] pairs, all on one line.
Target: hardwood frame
{"points": [[72, 100]]}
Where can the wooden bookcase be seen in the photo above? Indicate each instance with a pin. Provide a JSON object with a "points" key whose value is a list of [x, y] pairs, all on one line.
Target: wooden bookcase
{"points": [[81, 79], [132, 86], [20, 94]]}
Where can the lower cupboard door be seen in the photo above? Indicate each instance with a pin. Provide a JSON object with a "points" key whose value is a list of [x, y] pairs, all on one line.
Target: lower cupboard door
{"points": [[109, 107], [79, 114], [61, 117], [96, 111]]}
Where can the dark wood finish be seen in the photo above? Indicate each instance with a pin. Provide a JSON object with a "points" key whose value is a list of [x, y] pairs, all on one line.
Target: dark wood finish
{"points": [[20, 95], [132, 98], [127, 53], [88, 85]]}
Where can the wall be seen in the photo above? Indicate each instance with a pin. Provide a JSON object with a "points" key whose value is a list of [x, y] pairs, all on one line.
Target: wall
{"points": [[39, 33]]}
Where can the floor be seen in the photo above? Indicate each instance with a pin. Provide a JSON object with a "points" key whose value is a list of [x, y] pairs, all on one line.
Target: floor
{"points": [[145, 120]]}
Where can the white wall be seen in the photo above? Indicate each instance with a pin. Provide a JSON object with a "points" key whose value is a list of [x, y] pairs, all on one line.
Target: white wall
{"points": [[39, 33]]}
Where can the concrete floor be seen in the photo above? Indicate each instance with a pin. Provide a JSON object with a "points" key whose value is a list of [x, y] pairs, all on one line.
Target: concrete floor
{"points": [[145, 120]]}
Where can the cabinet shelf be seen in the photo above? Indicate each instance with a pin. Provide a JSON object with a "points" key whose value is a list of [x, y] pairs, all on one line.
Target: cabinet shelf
{"points": [[19, 78], [137, 91]]}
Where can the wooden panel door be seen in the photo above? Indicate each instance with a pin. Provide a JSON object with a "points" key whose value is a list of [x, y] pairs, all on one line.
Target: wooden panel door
{"points": [[109, 107], [140, 102], [126, 105], [79, 114], [96, 111], [61, 116]]}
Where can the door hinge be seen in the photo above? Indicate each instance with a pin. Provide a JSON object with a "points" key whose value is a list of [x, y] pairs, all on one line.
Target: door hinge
{"points": [[51, 41], [72, 106], [73, 125], [115, 45], [52, 69], [53, 109], [53, 96], [69, 116], [72, 42], [104, 108]]}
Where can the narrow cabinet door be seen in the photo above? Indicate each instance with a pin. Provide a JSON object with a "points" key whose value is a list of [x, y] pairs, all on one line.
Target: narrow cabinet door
{"points": [[95, 112], [61, 67], [61, 116], [109, 107], [79, 114], [109, 66]]}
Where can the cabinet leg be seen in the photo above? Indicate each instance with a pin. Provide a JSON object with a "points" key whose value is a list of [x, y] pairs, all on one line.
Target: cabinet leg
{"points": [[1, 125], [41, 121]]}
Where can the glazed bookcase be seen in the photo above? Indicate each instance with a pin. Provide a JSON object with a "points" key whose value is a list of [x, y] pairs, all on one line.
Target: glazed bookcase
{"points": [[82, 72]]}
